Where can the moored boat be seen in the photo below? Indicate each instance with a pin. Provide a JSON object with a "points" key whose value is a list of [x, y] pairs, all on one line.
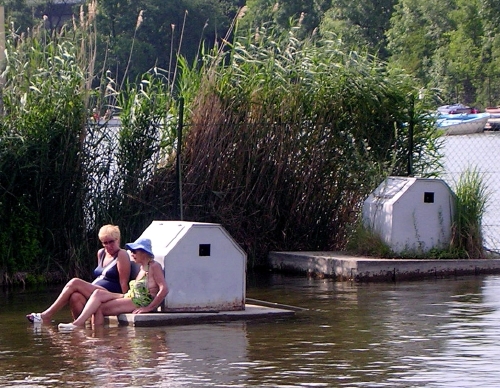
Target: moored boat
{"points": [[462, 124]]}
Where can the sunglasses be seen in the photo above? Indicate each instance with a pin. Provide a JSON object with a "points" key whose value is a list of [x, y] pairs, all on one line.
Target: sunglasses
{"points": [[108, 242], [134, 251]]}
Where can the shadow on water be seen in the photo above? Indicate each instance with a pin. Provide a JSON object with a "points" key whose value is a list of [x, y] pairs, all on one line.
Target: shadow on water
{"points": [[430, 333]]}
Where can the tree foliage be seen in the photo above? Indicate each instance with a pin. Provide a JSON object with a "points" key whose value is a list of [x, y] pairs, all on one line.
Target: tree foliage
{"points": [[166, 30], [359, 24], [282, 15], [450, 46]]}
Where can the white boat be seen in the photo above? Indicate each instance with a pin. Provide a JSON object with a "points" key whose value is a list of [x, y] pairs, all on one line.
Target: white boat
{"points": [[462, 124]]}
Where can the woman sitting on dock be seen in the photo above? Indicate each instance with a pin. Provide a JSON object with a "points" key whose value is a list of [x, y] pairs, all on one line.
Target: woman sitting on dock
{"points": [[147, 292], [112, 273]]}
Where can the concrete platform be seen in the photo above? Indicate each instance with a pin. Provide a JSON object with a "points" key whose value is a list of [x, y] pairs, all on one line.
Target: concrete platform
{"points": [[345, 267], [163, 319]]}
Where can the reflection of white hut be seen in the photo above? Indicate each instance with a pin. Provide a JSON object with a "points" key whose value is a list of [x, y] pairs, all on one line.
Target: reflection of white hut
{"points": [[411, 215], [204, 346], [205, 269]]}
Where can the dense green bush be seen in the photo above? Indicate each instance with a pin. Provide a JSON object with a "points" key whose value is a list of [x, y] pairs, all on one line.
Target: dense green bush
{"points": [[40, 151]]}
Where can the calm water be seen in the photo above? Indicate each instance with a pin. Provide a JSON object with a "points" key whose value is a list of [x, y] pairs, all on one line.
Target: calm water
{"points": [[443, 333]]}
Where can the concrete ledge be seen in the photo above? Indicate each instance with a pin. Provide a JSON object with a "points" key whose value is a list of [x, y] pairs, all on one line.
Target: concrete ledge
{"points": [[165, 319], [342, 266]]}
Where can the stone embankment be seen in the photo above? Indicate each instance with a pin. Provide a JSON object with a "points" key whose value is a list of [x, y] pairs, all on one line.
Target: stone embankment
{"points": [[345, 267]]}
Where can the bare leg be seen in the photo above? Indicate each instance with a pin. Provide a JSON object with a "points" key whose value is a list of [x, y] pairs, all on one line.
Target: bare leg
{"points": [[98, 317], [95, 301], [76, 304], [74, 285], [113, 307]]}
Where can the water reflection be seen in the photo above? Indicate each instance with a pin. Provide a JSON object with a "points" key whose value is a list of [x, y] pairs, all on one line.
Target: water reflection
{"points": [[209, 353], [126, 356], [422, 334], [379, 335], [472, 342]]}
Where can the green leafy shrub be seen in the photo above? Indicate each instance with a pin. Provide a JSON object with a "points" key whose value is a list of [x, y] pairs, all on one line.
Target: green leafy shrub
{"points": [[365, 242]]}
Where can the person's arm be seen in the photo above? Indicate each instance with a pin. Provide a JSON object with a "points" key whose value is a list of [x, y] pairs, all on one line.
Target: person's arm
{"points": [[159, 277], [123, 266]]}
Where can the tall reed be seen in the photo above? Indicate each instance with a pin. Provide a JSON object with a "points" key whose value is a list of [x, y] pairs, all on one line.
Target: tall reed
{"points": [[143, 141], [283, 140], [286, 137], [41, 191], [472, 196], [64, 171]]}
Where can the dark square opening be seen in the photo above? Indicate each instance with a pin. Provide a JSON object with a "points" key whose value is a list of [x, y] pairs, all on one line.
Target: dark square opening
{"points": [[204, 250], [429, 197]]}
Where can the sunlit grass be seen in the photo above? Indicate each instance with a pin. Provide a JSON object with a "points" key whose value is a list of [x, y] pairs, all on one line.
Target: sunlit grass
{"points": [[472, 196]]}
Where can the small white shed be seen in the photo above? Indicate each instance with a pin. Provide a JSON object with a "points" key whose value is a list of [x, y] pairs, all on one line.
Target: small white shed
{"points": [[411, 214], [205, 268]]}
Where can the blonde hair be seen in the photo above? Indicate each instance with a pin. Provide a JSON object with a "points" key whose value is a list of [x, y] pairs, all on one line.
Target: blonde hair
{"points": [[112, 231]]}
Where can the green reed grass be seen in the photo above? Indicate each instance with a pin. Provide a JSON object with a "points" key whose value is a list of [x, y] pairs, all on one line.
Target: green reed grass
{"points": [[62, 174], [471, 200], [40, 153], [285, 139]]}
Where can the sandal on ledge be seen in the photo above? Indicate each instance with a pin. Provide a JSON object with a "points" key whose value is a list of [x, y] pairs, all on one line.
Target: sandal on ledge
{"points": [[34, 317]]}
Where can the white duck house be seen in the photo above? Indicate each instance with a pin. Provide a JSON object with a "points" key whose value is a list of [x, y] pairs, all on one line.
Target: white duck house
{"points": [[205, 269], [412, 215]]}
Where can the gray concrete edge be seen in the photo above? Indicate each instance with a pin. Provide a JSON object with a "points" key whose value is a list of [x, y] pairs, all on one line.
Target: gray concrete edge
{"points": [[342, 266], [164, 319]]}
